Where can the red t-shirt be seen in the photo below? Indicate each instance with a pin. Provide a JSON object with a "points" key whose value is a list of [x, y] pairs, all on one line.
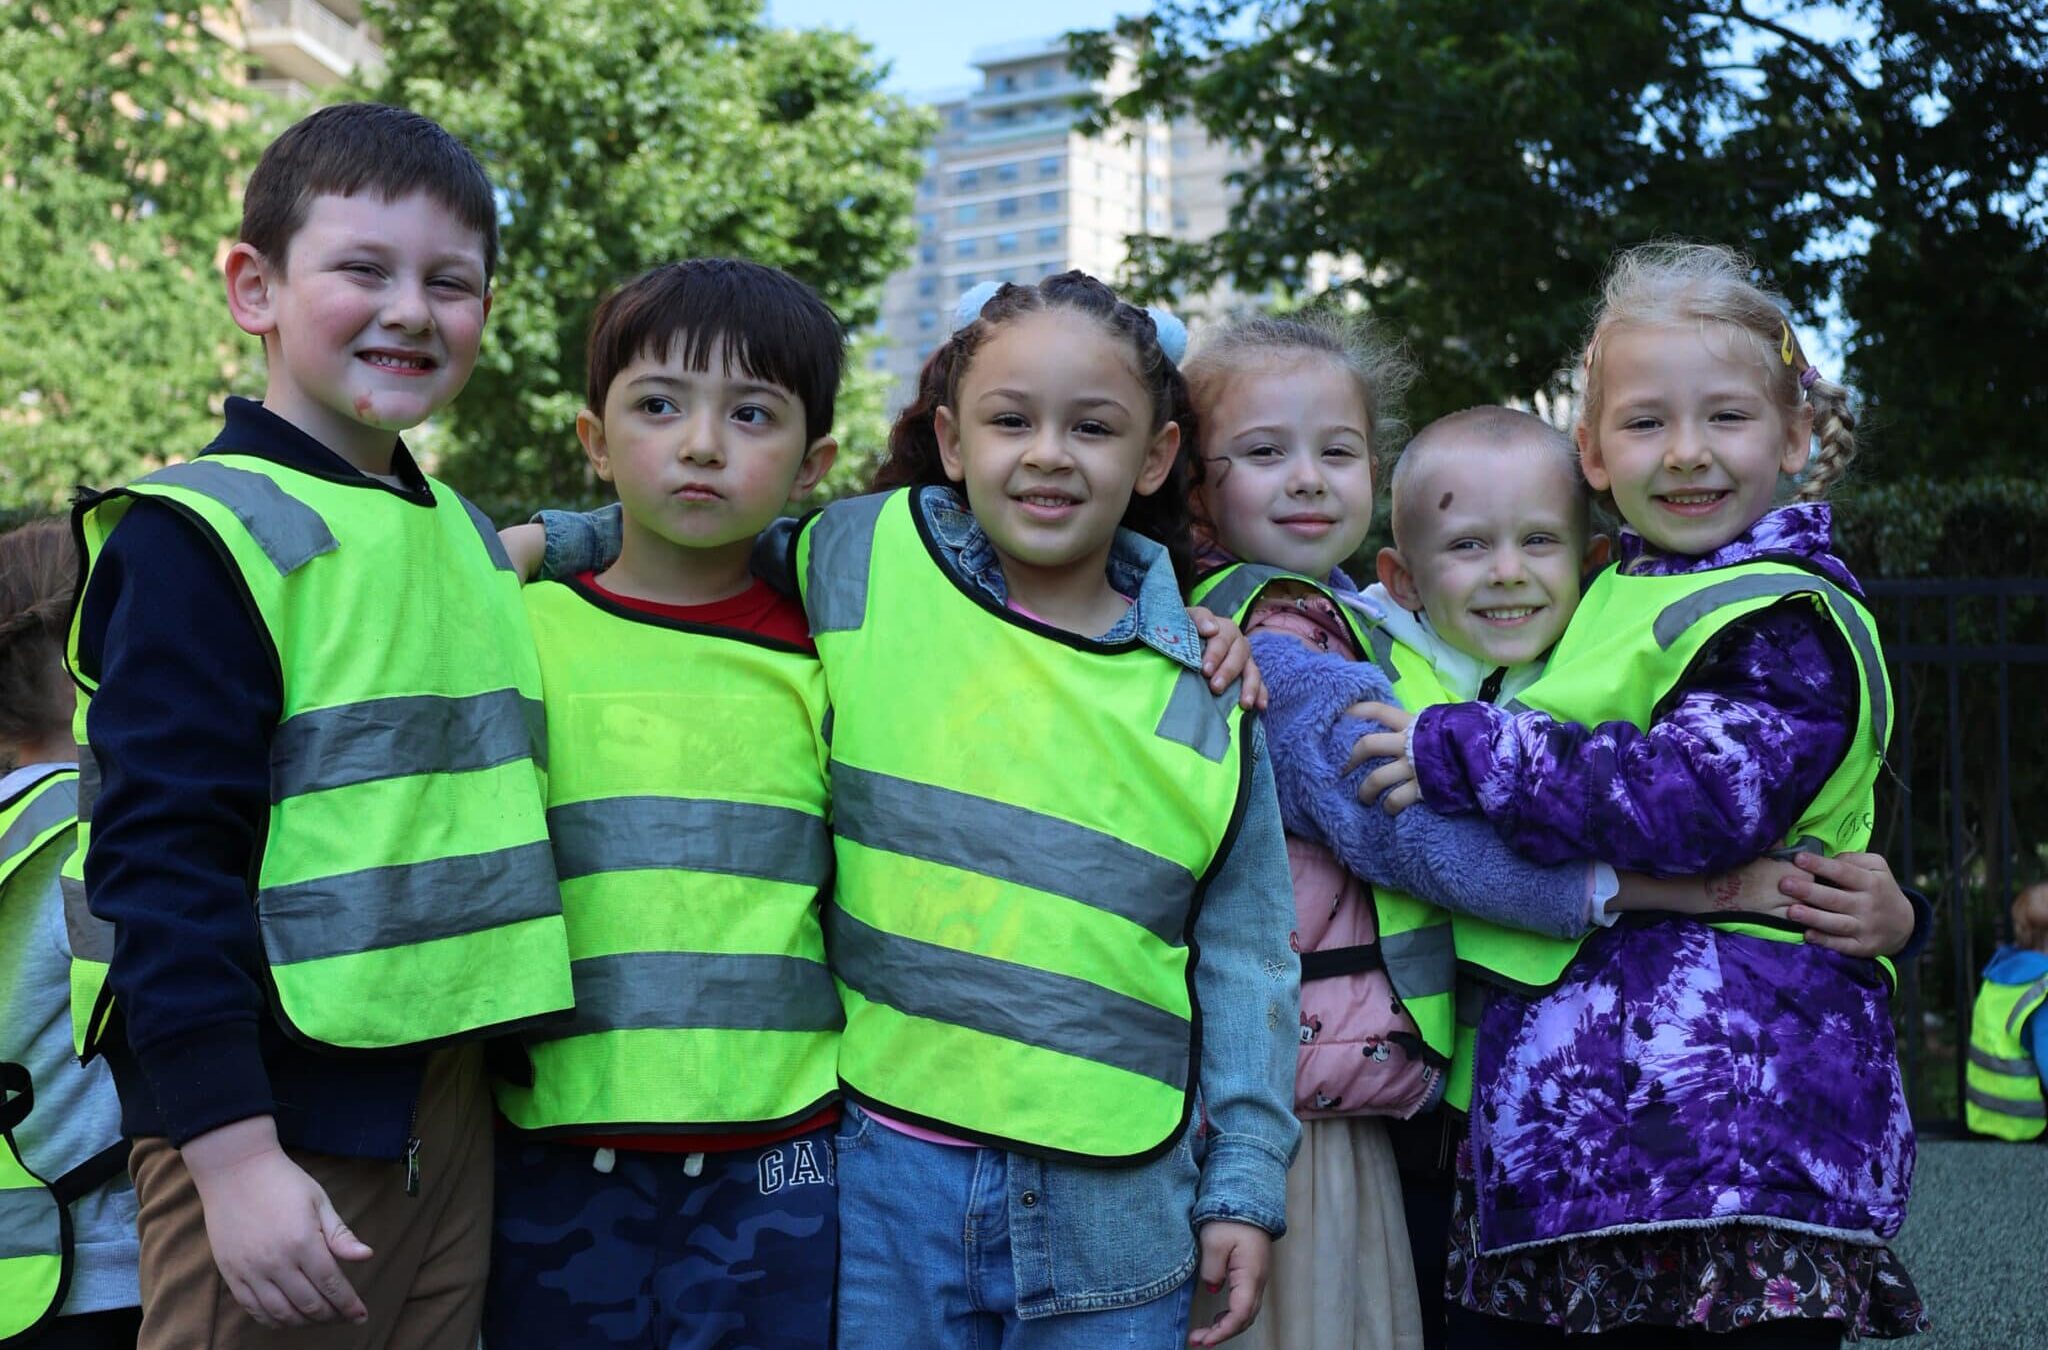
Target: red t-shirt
{"points": [[763, 610]]}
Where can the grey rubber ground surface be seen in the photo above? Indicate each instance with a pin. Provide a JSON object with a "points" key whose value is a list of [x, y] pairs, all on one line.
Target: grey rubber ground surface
{"points": [[1976, 1241]]}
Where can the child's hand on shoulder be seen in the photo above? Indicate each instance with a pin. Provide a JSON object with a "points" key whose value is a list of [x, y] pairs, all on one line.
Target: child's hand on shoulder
{"points": [[1850, 903], [1241, 1256], [1392, 784], [1227, 655], [526, 546]]}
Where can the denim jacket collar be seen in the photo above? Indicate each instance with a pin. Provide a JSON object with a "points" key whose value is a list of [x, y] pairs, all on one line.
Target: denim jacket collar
{"points": [[1138, 567]]}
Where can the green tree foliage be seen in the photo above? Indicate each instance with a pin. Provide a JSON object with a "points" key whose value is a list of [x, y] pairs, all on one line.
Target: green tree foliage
{"points": [[1484, 158], [622, 134], [120, 133]]}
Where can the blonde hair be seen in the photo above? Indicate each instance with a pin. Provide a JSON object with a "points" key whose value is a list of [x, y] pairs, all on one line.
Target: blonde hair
{"points": [[1376, 365], [2030, 917], [1674, 284]]}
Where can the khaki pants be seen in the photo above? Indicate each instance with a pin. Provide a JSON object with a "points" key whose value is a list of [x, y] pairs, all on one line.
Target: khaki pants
{"points": [[424, 1287]]}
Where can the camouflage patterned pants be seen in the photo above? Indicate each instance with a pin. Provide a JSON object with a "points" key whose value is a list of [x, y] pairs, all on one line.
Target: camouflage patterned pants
{"points": [[738, 1257]]}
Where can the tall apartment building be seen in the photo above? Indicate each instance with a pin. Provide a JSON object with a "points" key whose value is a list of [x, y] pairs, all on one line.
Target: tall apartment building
{"points": [[297, 46], [1013, 192]]}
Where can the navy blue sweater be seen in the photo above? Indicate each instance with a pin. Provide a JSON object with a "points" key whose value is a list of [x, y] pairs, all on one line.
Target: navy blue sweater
{"points": [[189, 693]]}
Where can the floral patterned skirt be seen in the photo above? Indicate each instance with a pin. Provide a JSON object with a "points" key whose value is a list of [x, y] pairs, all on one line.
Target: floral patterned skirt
{"points": [[1716, 1279]]}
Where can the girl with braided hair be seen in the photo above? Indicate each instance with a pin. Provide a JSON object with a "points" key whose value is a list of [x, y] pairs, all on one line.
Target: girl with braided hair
{"points": [[1698, 1128]]}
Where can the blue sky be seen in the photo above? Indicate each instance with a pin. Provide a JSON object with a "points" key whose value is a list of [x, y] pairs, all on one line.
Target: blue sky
{"points": [[928, 43]]}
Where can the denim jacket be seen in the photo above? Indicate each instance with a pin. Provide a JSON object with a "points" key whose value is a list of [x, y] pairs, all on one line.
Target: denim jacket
{"points": [[1086, 1238]]}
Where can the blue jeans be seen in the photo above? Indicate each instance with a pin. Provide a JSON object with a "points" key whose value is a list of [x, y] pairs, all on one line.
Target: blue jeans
{"points": [[925, 1264], [651, 1257]]}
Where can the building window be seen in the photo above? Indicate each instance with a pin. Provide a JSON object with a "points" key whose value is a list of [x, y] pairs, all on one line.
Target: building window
{"points": [[958, 115], [1045, 76], [1048, 201], [965, 283], [968, 181], [967, 248], [1004, 84], [927, 221], [928, 253], [966, 214], [1049, 238], [1007, 207], [1006, 243], [879, 360], [1180, 220], [927, 319], [927, 286], [1049, 167], [1009, 173], [927, 185]]}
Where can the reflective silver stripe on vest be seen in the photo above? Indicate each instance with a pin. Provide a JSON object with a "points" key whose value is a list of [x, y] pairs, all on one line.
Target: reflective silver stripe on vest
{"points": [[28, 1224], [1682, 614], [1015, 1003], [92, 938], [2030, 1001], [47, 811], [2007, 1106], [290, 533], [1010, 843], [1984, 1059], [742, 839], [1235, 591], [411, 902], [842, 546], [1419, 952], [403, 737], [1194, 718], [690, 991], [1382, 643], [88, 782], [492, 544]]}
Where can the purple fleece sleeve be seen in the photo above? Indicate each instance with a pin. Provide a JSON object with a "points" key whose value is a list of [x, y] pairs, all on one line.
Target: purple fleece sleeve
{"points": [[1456, 864], [1718, 779]]}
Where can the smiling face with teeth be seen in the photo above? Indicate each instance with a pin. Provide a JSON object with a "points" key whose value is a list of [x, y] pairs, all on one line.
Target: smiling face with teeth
{"points": [[370, 323], [1050, 436], [1688, 437], [1493, 545]]}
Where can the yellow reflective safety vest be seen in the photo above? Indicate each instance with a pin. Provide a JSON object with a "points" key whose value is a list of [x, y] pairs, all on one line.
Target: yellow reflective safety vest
{"points": [[35, 1226], [1631, 643], [35, 1216], [1415, 938], [686, 802], [2002, 1094], [406, 894], [1417, 686], [1024, 822]]}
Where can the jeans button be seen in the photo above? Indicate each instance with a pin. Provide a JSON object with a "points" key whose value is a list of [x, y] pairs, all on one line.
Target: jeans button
{"points": [[1030, 1199]]}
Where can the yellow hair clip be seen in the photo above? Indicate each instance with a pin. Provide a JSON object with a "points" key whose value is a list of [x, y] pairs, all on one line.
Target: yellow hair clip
{"points": [[1785, 342]]}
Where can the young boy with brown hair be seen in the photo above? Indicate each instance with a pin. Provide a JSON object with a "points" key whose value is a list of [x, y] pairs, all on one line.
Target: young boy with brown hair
{"points": [[315, 743]]}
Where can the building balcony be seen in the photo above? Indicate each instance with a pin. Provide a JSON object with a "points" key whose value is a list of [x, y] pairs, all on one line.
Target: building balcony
{"points": [[304, 40]]}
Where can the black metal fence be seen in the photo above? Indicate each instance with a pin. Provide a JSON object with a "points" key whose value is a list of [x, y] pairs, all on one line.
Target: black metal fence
{"points": [[1966, 794]]}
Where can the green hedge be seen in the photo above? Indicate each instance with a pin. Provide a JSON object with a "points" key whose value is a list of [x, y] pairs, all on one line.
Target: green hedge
{"points": [[1924, 527]]}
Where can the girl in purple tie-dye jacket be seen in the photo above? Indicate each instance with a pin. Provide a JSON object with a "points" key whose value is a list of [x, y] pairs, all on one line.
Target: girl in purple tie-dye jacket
{"points": [[1696, 1129]]}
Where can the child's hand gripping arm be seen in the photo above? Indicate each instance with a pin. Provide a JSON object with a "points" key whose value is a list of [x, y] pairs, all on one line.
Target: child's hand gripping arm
{"points": [[1459, 863], [1249, 991], [1226, 655], [1717, 779]]}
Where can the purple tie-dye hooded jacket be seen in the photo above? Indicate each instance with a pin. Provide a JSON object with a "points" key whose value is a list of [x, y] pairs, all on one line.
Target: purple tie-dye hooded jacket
{"points": [[1681, 1076]]}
